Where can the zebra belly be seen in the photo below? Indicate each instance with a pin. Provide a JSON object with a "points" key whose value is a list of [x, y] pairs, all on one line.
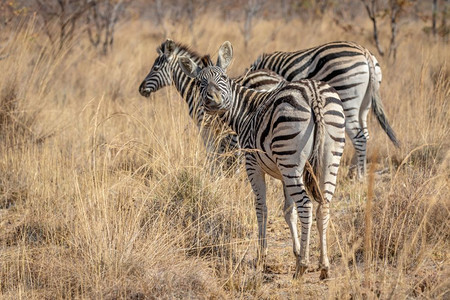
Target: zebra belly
{"points": [[268, 165]]}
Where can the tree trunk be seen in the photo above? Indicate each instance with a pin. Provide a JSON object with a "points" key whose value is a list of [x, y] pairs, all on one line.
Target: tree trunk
{"points": [[433, 18], [371, 11], [395, 10]]}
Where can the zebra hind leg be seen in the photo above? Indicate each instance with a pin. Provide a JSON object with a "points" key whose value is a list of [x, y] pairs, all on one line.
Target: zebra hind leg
{"points": [[360, 157], [323, 216], [290, 215], [296, 190], [327, 183]]}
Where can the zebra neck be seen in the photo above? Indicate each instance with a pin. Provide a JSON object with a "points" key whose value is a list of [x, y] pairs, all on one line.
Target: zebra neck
{"points": [[245, 103], [188, 90]]}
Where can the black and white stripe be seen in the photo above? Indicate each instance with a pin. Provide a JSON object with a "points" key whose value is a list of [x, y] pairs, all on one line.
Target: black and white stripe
{"points": [[355, 74], [281, 131], [165, 72]]}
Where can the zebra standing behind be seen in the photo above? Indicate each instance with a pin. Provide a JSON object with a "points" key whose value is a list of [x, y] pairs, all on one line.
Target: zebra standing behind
{"points": [[355, 74], [280, 131], [166, 71]]}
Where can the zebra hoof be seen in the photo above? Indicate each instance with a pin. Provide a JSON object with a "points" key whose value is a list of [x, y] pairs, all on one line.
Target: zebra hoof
{"points": [[259, 262], [324, 274], [355, 175], [300, 270]]}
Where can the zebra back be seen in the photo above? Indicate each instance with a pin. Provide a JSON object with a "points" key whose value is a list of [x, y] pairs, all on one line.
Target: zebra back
{"points": [[352, 71], [261, 80]]}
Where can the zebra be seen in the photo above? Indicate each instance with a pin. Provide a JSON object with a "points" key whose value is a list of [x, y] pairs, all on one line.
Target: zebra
{"points": [[166, 71], [356, 75], [281, 131]]}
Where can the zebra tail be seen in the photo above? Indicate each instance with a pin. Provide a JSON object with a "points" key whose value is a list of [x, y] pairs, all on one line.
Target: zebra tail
{"points": [[377, 105], [313, 172]]}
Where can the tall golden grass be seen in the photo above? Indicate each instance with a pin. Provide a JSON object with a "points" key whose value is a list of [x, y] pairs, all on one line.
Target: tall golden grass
{"points": [[107, 195]]}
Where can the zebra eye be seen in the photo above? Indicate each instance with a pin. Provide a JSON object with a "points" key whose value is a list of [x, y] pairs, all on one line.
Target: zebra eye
{"points": [[156, 67]]}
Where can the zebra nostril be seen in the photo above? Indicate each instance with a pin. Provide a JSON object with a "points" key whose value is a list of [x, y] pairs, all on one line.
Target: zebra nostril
{"points": [[141, 87], [144, 91]]}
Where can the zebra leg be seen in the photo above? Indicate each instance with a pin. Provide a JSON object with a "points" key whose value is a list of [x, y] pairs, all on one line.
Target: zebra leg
{"points": [[211, 148], [362, 162], [257, 180], [359, 159], [330, 168], [356, 128], [290, 215], [296, 189], [323, 216], [229, 147], [361, 153], [334, 143]]}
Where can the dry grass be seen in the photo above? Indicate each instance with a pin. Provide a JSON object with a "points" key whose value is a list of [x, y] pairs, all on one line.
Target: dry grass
{"points": [[104, 194]]}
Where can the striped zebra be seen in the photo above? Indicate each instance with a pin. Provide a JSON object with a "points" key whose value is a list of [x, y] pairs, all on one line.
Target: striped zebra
{"points": [[281, 131], [166, 71], [355, 74]]}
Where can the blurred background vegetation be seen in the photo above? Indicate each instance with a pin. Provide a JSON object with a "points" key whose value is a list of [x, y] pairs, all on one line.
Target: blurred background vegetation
{"points": [[61, 20]]}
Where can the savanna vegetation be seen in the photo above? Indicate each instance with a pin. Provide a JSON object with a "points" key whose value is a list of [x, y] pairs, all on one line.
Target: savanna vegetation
{"points": [[105, 194]]}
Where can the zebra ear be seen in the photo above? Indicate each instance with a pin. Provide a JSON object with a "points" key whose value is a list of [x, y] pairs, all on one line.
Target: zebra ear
{"points": [[188, 66], [169, 48], [225, 55]]}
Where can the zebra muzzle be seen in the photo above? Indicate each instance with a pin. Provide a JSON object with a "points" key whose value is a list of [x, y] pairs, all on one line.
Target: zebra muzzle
{"points": [[145, 91], [217, 99]]}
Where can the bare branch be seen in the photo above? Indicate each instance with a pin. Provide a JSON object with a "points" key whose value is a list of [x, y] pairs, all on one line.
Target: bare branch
{"points": [[371, 11], [395, 10], [434, 13], [60, 18], [101, 21], [160, 15], [251, 10]]}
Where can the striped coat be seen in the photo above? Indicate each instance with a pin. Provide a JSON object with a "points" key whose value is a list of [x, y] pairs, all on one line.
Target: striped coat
{"points": [[355, 74], [165, 72]]}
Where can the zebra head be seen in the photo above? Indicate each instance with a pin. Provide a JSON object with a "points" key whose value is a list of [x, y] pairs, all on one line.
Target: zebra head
{"points": [[215, 89], [161, 73]]}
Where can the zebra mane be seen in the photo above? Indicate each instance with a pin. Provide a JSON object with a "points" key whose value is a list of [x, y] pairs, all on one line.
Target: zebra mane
{"points": [[181, 47], [206, 61], [257, 62]]}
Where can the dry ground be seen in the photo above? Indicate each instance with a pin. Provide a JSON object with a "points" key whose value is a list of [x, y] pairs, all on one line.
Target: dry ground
{"points": [[105, 194]]}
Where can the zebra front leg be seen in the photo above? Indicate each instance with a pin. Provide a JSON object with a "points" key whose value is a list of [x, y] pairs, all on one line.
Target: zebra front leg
{"points": [[257, 180], [296, 189], [229, 147], [323, 216], [211, 149]]}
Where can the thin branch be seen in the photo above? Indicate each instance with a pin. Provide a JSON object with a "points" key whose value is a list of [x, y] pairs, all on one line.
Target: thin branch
{"points": [[371, 11], [251, 10], [395, 11]]}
